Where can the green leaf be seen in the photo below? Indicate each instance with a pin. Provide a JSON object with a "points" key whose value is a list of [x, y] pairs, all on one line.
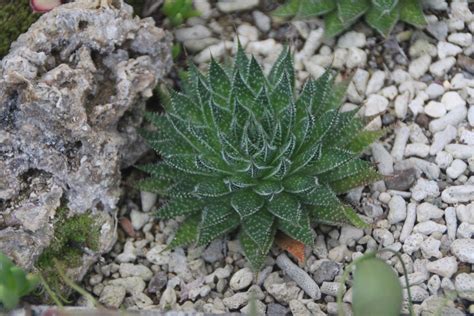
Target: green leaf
{"points": [[217, 219], [300, 230], [282, 94], [288, 9], [412, 12], [260, 228], [241, 61], [256, 80], [333, 25], [254, 252], [331, 158], [349, 11], [246, 203], [211, 187], [178, 207], [363, 140], [337, 214], [285, 206], [382, 16], [185, 108], [187, 232], [218, 80], [299, 183], [311, 8], [283, 64], [355, 180], [266, 188]]}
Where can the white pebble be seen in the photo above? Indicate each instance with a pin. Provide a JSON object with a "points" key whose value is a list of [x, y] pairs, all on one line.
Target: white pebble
{"points": [[352, 39], [423, 189], [420, 150], [375, 83], [356, 57], [429, 227], [470, 116], [441, 67], [412, 243], [443, 159], [458, 194], [426, 211], [446, 49], [419, 66], [442, 138], [463, 249], [430, 248], [241, 279], [401, 105], [452, 99], [444, 267], [383, 159], [460, 151], [236, 5], [397, 210], [435, 109], [417, 135], [402, 133], [465, 213], [148, 200], [454, 117], [262, 21], [409, 222], [464, 284], [434, 90], [456, 169]]}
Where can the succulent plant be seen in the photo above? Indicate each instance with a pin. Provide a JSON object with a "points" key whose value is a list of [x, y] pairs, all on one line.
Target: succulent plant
{"points": [[14, 283], [244, 152], [178, 11], [339, 15]]}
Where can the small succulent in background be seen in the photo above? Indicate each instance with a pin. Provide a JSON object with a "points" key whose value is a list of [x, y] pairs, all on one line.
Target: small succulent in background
{"points": [[179, 11], [382, 15], [243, 151], [14, 283]]}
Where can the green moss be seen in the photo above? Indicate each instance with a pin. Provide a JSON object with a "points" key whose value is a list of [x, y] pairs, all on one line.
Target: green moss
{"points": [[16, 17], [71, 236]]}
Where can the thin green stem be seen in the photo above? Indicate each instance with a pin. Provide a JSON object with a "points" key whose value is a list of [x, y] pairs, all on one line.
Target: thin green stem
{"points": [[51, 294]]}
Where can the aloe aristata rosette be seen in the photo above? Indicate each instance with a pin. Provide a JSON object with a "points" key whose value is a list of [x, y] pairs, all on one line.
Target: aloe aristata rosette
{"points": [[245, 152]]}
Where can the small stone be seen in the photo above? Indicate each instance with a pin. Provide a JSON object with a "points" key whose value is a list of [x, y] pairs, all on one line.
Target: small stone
{"points": [[297, 308], [401, 180], [141, 300], [276, 309], [356, 57], [402, 133], [453, 117], [438, 29], [158, 255], [418, 294], [131, 284], [463, 249], [419, 66], [456, 169], [446, 49], [409, 222], [430, 248], [443, 159], [168, 298], [327, 271], [397, 210], [442, 66], [241, 279], [129, 253], [383, 159], [157, 282], [351, 39], [452, 99], [444, 267], [434, 284], [464, 284], [376, 104], [435, 109], [458, 194], [423, 189], [148, 200], [426, 211], [375, 83], [135, 270], [434, 90], [214, 252], [442, 138], [460, 151], [195, 32], [412, 243], [112, 296], [350, 233], [299, 276], [331, 288], [383, 236], [429, 227], [419, 150], [451, 222], [401, 104], [262, 21], [138, 219], [228, 6], [465, 213], [248, 31]]}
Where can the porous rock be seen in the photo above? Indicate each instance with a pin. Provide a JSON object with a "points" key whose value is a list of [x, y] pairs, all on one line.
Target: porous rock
{"points": [[72, 94]]}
